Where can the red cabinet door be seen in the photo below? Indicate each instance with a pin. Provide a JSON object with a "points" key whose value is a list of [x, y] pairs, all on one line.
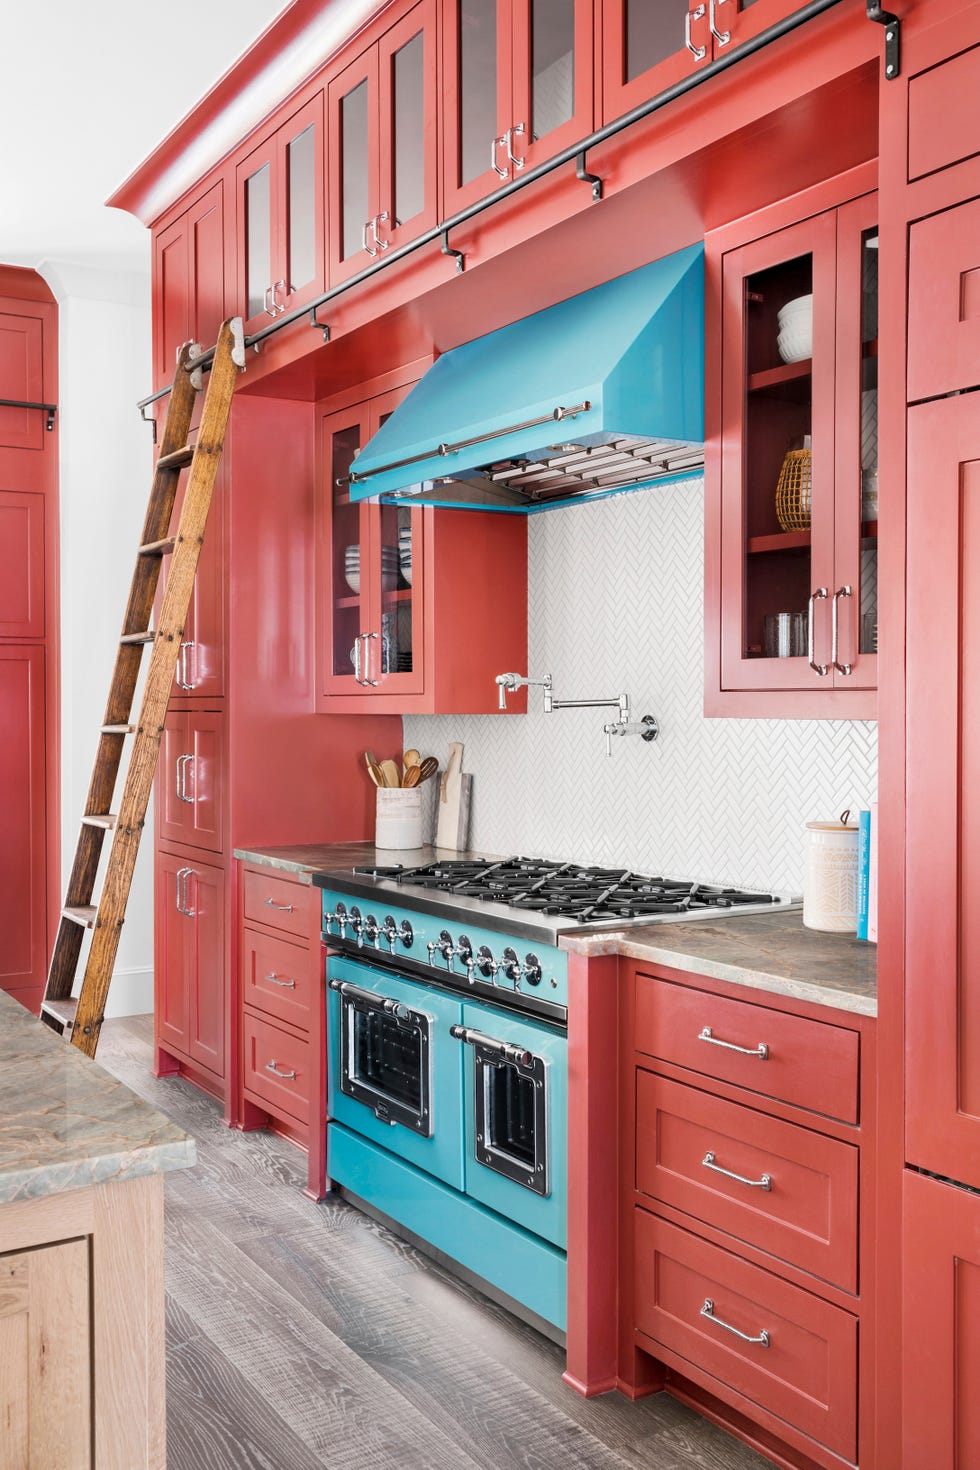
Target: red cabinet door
{"points": [[188, 282], [476, 111], [170, 960], [647, 45], [941, 1338], [353, 120], [200, 671], [21, 564], [407, 98], [944, 302], [943, 789], [190, 960], [21, 378], [23, 848], [553, 77], [192, 797]]}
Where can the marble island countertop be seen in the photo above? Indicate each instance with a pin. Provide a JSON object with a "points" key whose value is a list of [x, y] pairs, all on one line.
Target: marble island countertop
{"points": [[769, 952], [65, 1123]]}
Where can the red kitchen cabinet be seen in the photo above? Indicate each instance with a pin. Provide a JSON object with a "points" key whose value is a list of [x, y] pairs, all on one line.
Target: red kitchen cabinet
{"points": [[517, 88], [188, 281], [941, 1322], [191, 775], [23, 850], [381, 110], [419, 610], [281, 219], [21, 375], [21, 564], [191, 1002], [808, 558], [200, 671], [943, 789], [944, 303]]}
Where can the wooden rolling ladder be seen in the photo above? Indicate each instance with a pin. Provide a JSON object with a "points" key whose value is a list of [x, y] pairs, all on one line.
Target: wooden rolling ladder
{"points": [[80, 1019]]}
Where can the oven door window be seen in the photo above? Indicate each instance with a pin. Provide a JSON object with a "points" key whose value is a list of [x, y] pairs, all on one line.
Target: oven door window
{"points": [[512, 1119], [385, 1062]]}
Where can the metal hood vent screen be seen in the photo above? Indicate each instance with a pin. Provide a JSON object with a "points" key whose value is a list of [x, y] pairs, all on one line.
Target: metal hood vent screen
{"points": [[598, 393]]}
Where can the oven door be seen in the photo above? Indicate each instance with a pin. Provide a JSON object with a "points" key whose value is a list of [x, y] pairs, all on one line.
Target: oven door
{"points": [[395, 1075], [515, 1107]]}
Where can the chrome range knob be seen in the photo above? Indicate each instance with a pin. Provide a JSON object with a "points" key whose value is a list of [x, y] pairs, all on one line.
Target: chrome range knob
{"points": [[390, 931], [446, 947], [512, 967], [533, 972], [406, 934], [464, 948], [485, 962], [338, 917], [357, 924], [372, 930]]}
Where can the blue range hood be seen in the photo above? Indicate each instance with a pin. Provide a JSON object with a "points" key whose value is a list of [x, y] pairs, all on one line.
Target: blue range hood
{"points": [[600, 392]]}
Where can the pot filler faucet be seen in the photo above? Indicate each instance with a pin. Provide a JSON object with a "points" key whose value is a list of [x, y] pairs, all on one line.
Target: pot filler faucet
{"points": [[646, 727]]}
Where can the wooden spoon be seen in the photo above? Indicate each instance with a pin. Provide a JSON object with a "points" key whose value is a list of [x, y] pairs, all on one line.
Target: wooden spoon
{"points": [[412, 776], [390, 772], [370, 759], [411, 758], [428, 768], [376, 773]]}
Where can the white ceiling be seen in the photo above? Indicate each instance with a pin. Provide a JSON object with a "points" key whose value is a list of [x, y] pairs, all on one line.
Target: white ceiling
{"points": [[89, 89]]}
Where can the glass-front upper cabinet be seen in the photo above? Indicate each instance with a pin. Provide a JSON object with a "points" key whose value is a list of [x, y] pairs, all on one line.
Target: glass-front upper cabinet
{"points": [[381, 111], [797, 509], [650, 44], [281, 219], [517, 89]]}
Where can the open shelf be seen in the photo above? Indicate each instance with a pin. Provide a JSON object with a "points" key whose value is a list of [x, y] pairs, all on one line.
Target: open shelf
{"points": [[796, 540], [778, 377], [400, 594], [350, 601], [870, 349]]}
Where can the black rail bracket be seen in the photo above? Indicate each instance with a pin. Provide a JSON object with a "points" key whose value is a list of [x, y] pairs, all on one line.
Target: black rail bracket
{"points": [[323, 327], [893, 37], [456, 255], [581, 172]]}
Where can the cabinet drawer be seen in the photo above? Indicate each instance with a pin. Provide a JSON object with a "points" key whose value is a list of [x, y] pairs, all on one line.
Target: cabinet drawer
{"points": [[806, 1063], [944, 121], [277, 977], [807, 1215], [287, 1088], [280, 903], [944, 302], [806, 1375]]}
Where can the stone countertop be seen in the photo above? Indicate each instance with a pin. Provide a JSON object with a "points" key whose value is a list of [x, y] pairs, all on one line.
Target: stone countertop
{"points": [[771, 952], [65, 1123]]}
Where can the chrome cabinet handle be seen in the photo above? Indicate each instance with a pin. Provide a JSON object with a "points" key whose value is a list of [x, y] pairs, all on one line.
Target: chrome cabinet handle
{"points": [[357, 659], [180, 767], [708, 1310], [369, 224], [280, 306], [495, 144], [284, 908], [274, 979], [270, 310], [182, 876], [722, 37], [179, 877], [517, 131], [761, 1051], [844, 591], [286, 1076], [182, 678], [698, 52], [815, 597], [367, 660], [380, 219], [708, 1162]]}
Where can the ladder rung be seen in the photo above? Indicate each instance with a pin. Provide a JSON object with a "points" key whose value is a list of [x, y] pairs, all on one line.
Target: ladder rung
{"points": [[106, 820], [176, 458], [62, 1011], [158, 548], [117, 730], [83, 914], [146, 637]]}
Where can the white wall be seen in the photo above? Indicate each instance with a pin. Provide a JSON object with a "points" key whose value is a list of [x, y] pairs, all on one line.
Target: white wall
{"points": [[615, 604], [106, 463]]}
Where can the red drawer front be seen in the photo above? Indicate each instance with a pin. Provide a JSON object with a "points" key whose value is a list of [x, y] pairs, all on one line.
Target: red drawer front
{"points": [[807, 1215], [944, 302], [806, 1063], [806, 1376], [286, 1089], [944, 120], [278, 977], [280, 903]]}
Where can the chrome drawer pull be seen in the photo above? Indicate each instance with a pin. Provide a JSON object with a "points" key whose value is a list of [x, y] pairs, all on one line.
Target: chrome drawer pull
{"points": [[285, 908], [286, 984], [286, 1076], [708, 1310], [761, 1051], [708, 1162]]}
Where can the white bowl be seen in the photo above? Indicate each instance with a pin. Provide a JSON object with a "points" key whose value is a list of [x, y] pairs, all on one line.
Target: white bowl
{"points": [[353, 580], [795, 344], [799, 306]]}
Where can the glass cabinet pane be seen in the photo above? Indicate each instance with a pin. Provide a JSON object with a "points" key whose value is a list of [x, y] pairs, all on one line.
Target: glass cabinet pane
{"points": [[258, 229], [398, 573], [408, 120], [355, 208], [477, 85], [301, 194], [868, 624], [778, 315], [347, 593], [552, 65], [653, 30]]}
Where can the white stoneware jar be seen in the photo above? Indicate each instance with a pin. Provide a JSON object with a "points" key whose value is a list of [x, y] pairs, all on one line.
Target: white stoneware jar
{"points": [[830, 876]]}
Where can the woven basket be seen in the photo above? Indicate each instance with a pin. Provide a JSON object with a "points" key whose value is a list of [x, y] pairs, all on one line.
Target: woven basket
{"points": [[793, 491]]}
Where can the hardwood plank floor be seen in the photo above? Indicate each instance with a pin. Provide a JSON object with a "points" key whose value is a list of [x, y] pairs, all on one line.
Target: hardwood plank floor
{"points": [[302, 1336]]}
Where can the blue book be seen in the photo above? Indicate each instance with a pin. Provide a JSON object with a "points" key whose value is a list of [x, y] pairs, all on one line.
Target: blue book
{"points": [[864, 872]]}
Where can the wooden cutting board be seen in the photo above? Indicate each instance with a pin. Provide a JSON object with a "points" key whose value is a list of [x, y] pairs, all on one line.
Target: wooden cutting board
{"points": [[454, 802]]}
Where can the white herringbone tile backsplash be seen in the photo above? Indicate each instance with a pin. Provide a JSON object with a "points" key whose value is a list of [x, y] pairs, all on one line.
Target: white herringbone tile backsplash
{"points": [[616, 604]]}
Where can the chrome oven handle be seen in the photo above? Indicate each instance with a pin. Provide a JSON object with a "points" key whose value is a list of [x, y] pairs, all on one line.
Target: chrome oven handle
{"points": [[844, 591], [386, 1003], [270, 1066], [708, 1310], [506, 1051], [698, 52], [708, 1162], [815, 597], [761, 1051]]}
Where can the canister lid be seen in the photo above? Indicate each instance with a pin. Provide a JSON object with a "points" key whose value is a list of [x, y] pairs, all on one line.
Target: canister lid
{"points": [[843, 824]]}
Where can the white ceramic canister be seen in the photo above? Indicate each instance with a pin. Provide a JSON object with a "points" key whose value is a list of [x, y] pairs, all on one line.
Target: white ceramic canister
{"points": [[399, 817], [830, 876]]}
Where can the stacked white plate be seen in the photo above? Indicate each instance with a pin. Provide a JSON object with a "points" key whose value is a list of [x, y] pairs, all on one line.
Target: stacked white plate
{"points": [[795, 340], [405, 553], [352, 567]]}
